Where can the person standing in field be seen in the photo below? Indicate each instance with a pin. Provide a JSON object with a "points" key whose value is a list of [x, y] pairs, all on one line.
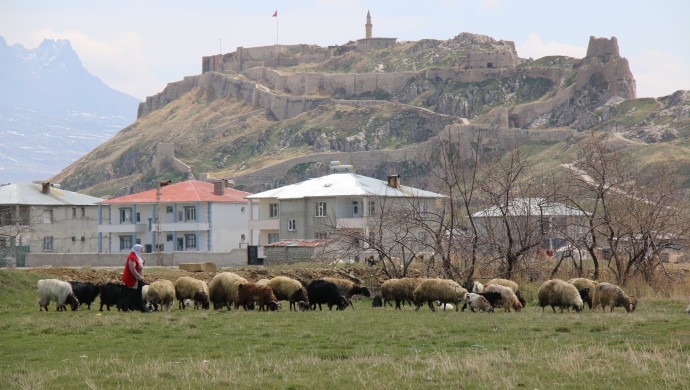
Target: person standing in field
{"points": [[133, 278]]}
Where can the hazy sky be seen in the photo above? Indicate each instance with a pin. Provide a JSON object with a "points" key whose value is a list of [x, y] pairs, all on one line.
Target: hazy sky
{"points": [[139, 46]]}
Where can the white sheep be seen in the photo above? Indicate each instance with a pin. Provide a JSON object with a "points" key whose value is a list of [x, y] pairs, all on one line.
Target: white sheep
{"points": [[161, 292], [223, 289], [57, 290], [187, 287], [476, 301], [288, 289], [556, 292], [444, 306], [585, 287], [508, 298], [399, 290], [444, 290], [477, 287], [607, 294]]}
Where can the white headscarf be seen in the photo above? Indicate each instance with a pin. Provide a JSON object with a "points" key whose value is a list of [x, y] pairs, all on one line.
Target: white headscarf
{"points": [[137, 248]]}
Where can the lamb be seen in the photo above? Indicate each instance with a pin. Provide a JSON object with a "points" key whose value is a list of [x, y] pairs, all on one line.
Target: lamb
{"points": [[444, 305], [188, 287], [349, 288], [585, 287], [444, 290], [556, 292], [223, 289], [399, 290], [479, 302], [494, 298], [57, 290], [85, 292], [508, 299], [477, 287], [607, 294], [321, 291], [161, 292], [288, 289], [250, 293], [512, 285]]}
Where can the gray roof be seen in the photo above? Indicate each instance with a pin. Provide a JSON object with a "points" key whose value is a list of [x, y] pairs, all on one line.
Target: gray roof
{"points": [[30, 194], [343, 184], [531, 206]]}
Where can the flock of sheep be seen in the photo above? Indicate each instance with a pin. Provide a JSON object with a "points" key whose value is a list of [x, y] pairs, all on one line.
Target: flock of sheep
{"points": [[228, 289]]}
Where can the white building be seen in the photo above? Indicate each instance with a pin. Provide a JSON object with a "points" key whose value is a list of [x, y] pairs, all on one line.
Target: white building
{"points": [[41, 218], [313, 208], [187, 216]]}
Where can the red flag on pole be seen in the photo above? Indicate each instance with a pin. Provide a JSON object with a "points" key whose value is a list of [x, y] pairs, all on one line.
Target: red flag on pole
{"points": [[275, 14]]}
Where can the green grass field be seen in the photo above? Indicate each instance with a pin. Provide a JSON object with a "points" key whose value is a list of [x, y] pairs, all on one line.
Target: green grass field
{"points": [[364, 348]]}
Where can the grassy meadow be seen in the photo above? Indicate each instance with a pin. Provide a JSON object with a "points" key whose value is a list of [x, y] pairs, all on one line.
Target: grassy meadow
{"points": [[362, 348]]}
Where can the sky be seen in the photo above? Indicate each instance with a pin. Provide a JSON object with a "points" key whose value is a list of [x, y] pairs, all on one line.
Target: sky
{"points": [[137, 47]]}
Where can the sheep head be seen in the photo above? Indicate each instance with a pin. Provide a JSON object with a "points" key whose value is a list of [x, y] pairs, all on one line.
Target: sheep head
{"points": [[201, 297], [73, 301], [273, 306]]}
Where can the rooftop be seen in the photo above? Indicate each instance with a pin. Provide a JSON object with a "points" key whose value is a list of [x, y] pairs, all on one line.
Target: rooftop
{"points": [[530, 206], [186, 191], [343, 184], [32, 194]]}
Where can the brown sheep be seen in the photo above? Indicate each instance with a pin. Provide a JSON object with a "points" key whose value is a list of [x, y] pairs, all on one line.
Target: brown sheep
{"points": [[508, 298], [607, 294], [249, 293], [442, 290], [187, 287], [510, 284], [556, 292]]}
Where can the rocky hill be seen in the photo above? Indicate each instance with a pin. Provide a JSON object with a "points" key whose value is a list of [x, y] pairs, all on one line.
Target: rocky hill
{"points": [[273, 115]]}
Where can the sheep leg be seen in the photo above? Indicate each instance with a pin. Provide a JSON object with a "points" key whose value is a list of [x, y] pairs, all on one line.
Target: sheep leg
{"points": [[431, 306]]}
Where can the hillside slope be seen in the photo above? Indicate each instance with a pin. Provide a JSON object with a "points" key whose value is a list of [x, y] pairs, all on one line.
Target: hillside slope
{"points": [[269, 116]]}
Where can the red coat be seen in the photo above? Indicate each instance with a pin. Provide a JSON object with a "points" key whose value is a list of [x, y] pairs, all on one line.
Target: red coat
{"points": [[127, 277]]}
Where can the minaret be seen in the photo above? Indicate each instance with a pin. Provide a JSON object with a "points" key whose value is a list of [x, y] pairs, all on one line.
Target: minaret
{"points": [[368, 26]]}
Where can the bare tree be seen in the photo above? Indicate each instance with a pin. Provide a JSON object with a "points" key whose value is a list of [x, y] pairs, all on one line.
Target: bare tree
{"points": [[629, 223]]}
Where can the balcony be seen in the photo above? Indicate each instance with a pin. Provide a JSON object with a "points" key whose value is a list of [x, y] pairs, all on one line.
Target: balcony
{"points": [[265, 224], [124, 228], [351, 223], [181, 226]]}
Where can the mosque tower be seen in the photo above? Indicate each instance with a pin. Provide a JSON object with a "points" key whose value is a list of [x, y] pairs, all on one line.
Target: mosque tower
{"points": [[368, 26]]}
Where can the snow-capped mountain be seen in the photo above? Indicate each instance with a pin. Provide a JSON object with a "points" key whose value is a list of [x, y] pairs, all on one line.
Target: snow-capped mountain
{"points": [[52, 110]]}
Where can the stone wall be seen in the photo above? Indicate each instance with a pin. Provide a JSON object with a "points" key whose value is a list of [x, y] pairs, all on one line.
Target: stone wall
{"points": [[234, 258]]}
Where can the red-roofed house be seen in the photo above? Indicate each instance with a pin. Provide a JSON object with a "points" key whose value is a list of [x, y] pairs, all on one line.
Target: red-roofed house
{"points": [[187, 216]]}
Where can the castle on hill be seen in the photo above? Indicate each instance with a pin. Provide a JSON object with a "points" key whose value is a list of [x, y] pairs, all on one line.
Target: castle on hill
{"points": [[370, 43]]}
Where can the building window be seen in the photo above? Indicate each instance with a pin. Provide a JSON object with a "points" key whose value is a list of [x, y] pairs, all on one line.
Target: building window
{"points": [[189, 214], [372, 207], [125, 242], [421, 206], [190, 241], [320, 209], [168, 209], [74, 212], [138, 217], [74, 239], [125, 215], [355, 208], [169, 237], [242, 210], [292, 225], [273, 237], [321, 235], [48, 244], [83, 239], [273, 210], [47, 216], [83, 212]]}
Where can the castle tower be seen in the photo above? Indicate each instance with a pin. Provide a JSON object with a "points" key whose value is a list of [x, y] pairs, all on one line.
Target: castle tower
{"points": [[368, 26]]}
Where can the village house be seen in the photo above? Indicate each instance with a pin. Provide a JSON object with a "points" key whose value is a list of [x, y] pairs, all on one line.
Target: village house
{"points": [[552, 223], [181, 217], [42, 218], [299, 215]]}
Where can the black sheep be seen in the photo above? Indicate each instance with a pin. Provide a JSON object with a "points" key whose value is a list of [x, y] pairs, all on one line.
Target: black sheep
{"points": [[321, 291], [85, 292], [113, 294], [377, 301]]}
